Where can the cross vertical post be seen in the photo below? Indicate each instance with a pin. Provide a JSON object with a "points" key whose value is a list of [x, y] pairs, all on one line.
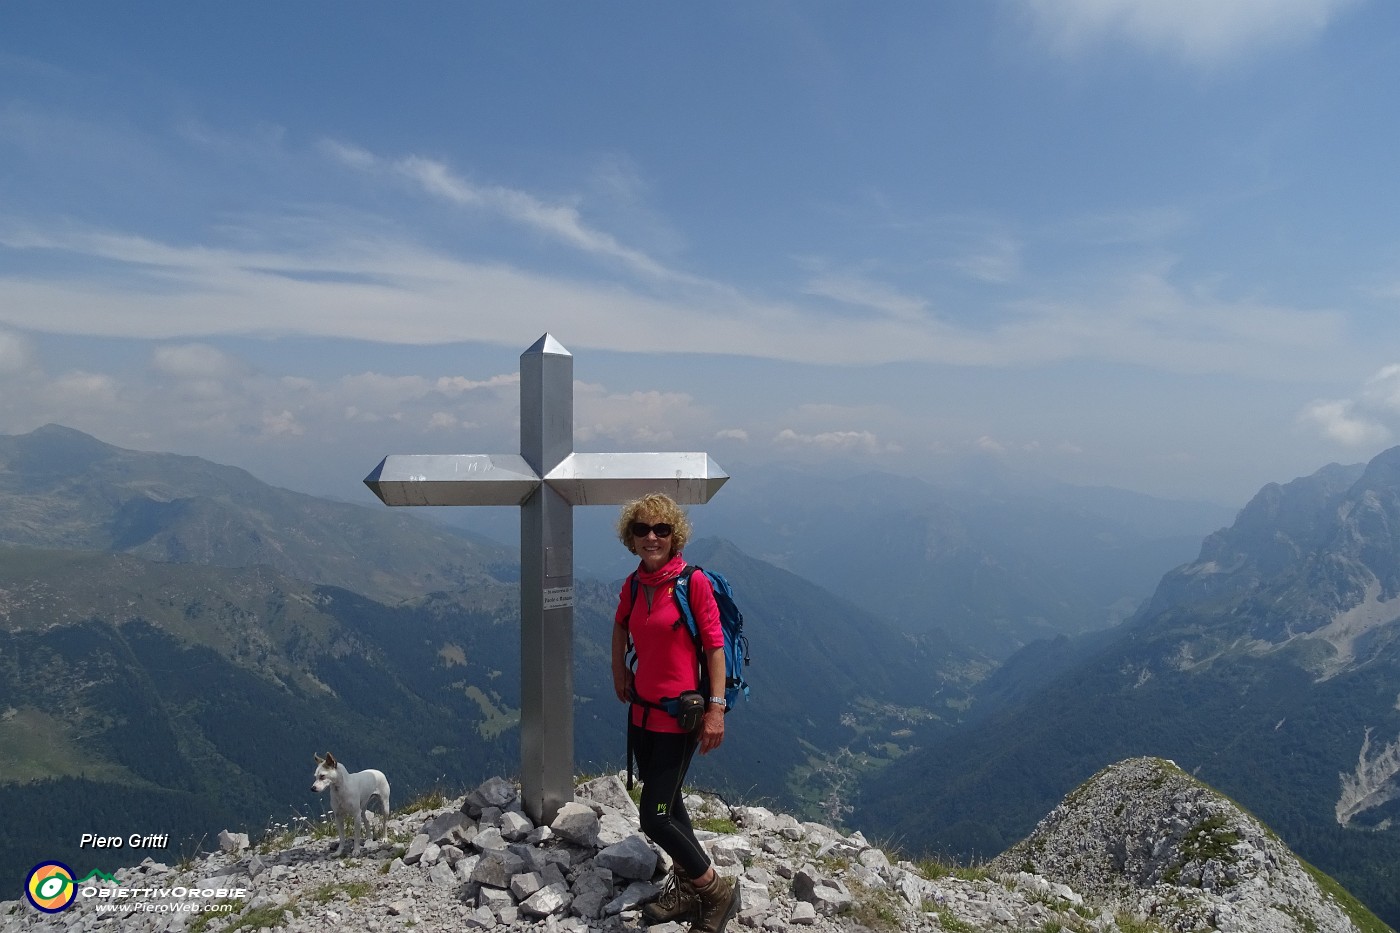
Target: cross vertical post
{"points": [[546, 479], [546, 567]]}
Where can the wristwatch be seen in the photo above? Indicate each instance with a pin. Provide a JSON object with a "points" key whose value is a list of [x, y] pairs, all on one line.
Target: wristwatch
{"points": [[719, 700]]}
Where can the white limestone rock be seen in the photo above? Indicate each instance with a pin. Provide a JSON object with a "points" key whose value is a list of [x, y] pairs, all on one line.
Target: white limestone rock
{"points": [[514, 826], [547, 901], [232, 842], [416, 848], [576, 823], [632, 858]]}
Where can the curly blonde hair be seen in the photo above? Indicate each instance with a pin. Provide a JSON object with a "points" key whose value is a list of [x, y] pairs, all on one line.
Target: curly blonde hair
{"points": [[661, 508]]}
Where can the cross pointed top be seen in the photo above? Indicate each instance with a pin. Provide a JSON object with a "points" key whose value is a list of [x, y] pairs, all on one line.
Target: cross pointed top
{"points": [[548, 345]]}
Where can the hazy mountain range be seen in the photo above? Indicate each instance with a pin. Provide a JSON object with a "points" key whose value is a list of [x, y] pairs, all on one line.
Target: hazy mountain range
{"points": [[1269, 666], [169, 644], [994, 560], [60, 488], [176, 638]]}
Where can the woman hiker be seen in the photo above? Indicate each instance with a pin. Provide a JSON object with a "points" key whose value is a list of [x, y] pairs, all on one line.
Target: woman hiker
{"points": [[655, 528]]}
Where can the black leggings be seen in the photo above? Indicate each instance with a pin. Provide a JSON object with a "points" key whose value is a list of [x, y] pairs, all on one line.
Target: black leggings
{"points": [[662, 761]]}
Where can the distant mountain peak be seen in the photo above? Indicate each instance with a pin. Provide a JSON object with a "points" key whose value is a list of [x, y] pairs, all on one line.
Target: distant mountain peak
{"points": [[1315, 556], [1383, 471], [54, 447], [52, 428]]}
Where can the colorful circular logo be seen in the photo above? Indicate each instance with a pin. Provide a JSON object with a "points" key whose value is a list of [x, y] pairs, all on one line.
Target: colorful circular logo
{"points": [[50, 887]]}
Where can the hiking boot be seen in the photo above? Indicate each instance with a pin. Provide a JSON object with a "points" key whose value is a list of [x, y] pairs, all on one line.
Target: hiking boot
{"points": [[677, 901], [719, 902]]}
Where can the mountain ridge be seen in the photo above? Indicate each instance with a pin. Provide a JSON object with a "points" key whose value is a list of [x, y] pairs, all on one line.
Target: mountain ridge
{"points": [[138, 681], [60, 488]]}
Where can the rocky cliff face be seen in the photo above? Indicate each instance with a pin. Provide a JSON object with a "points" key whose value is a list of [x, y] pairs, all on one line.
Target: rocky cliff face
{"points": [[1139, 848], [1308, 575], [1309, 567]]}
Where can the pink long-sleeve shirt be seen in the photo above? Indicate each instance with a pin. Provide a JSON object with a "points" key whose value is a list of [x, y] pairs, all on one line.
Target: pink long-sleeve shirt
{"points": [[667, 662]]}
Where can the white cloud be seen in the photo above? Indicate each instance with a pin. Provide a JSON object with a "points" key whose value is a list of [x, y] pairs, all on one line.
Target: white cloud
{"points": [[1382, 391], [996, 260], [836, 441], [444, 404], [16, 353], [350, 155], [1369, 419], [282, 424], [1145, 226], [1142, 316], [1197, 31], [171, 405], [732, 434], [1340, 422], [193, 361], [447, 421], [862, 292], [651, 418], [85, 388], [456, 385]]}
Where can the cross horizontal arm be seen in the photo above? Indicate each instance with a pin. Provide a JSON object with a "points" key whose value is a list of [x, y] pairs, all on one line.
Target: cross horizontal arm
{"points": [[611, 479], [453, 479]]}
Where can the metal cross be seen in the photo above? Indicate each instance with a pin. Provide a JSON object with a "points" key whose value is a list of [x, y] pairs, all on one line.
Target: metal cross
{"points": [[547, 479]]}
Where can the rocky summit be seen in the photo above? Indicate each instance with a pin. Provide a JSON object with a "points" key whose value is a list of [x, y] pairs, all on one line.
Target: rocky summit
{"points": [[1139, 848], [1148, 836]]}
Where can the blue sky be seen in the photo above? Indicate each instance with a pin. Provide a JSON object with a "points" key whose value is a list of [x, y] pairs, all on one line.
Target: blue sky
{"points": [[1143, 244]]}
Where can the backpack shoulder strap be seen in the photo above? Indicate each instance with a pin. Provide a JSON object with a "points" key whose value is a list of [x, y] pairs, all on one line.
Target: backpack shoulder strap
{"points": [[630, 656], [682, 590], [632, 591]]}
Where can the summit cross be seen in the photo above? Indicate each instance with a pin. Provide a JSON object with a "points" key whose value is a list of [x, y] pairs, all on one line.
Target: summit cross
{"points": [[546, 479]]}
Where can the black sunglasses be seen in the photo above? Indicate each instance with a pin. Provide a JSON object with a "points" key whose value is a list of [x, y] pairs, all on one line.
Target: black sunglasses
{"points": [[642, 529]]}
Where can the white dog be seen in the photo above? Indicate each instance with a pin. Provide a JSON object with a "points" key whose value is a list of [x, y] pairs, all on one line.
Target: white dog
{"points": [[350, 797]]}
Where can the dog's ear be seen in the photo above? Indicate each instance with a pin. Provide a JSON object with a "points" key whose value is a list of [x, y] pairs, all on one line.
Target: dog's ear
{"points": [[319, 759], [330, 759]]}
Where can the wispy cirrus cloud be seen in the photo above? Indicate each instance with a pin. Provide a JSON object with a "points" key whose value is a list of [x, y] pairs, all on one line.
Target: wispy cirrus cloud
{"points": [[994, 259], [333, 271], [561, 221], [1199, 32], [358, 282], [860, 291]]}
